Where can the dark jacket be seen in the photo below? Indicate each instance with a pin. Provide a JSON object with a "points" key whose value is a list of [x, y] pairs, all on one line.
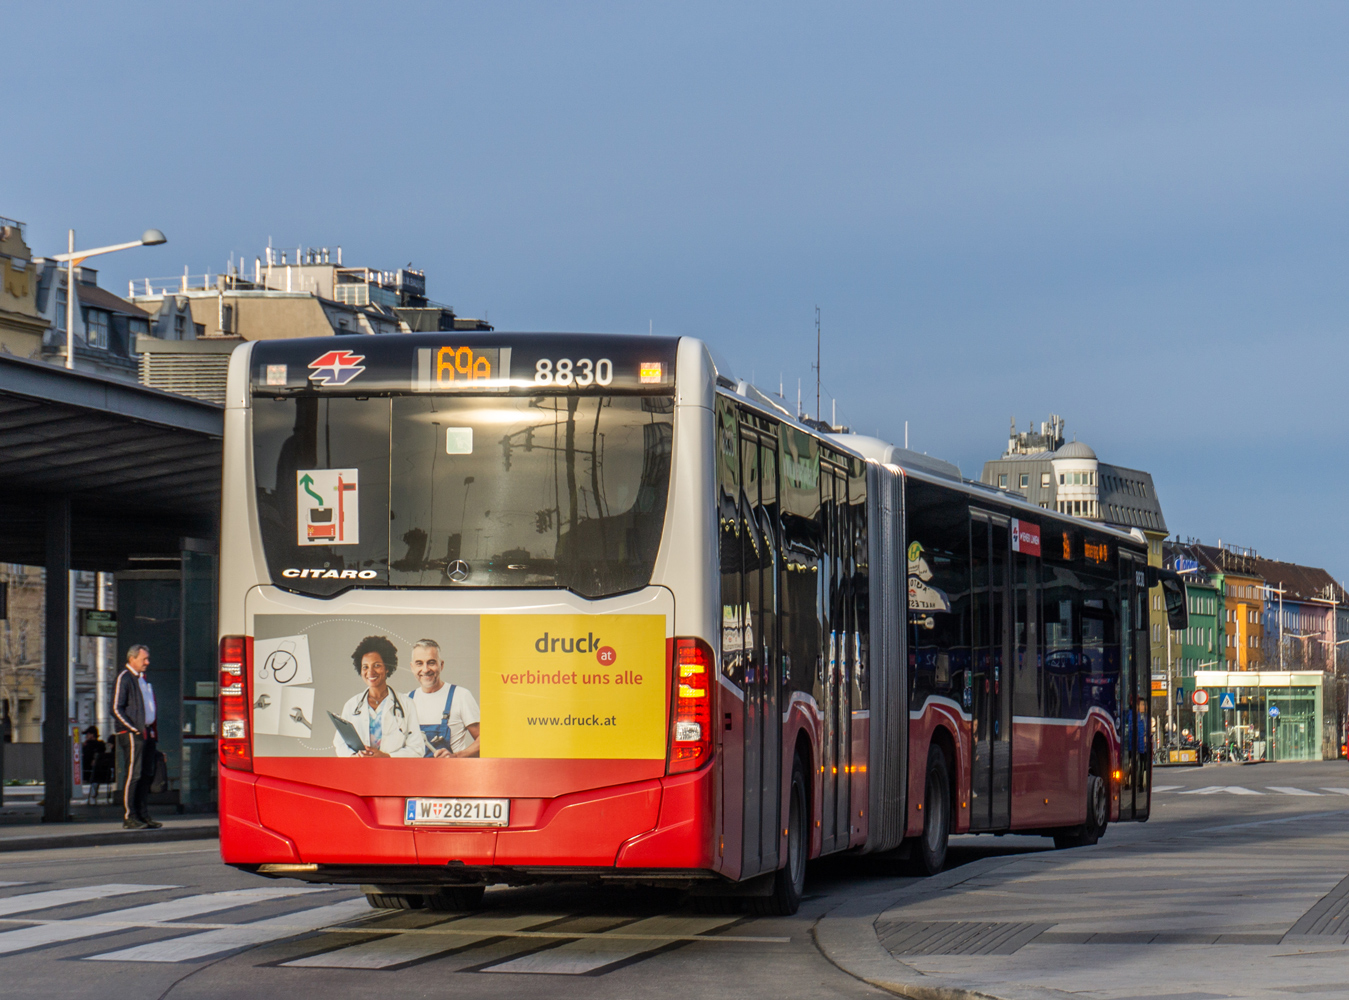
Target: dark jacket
{"points": [[128, 707]]}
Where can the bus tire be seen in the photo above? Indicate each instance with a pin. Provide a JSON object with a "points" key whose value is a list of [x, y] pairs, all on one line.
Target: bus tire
{"points": [[930, 854], [456, 898], [1098, 817], [395, 900], [789, 881]]}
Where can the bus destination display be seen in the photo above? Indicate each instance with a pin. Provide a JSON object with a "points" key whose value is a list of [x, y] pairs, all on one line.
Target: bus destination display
{"points": [[443, 363]]}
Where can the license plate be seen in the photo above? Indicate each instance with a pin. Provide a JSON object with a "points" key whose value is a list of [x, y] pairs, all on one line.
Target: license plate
{"points": [[457, 812]]}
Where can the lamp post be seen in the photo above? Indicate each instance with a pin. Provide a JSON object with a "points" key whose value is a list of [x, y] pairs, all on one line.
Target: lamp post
{"points": [[149, 238]]}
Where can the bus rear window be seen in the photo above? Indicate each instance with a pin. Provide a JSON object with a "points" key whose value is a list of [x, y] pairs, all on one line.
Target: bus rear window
{"points": [[475, 491]]}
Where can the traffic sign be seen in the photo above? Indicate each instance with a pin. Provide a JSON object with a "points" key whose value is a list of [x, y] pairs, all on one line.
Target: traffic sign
{"points": [[1200, 709], [99, 624], [1228, 700], [1200, 697], [1273, 711]]}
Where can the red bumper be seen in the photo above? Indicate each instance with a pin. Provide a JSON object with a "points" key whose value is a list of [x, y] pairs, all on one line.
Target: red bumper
{"points": [[664, 822]]}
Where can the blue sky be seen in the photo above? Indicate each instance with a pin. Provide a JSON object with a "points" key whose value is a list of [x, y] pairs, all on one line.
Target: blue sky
{"points": [[1134, 215]]}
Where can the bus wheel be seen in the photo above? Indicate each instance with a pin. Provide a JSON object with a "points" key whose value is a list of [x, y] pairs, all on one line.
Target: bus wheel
{"points": [[1098, 817], [456, 898], [395, 900], [789, 882], [930, 857]]}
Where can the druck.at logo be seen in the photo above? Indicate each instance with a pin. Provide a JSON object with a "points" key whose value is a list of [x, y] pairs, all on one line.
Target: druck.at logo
{"points": [[336, 368]]}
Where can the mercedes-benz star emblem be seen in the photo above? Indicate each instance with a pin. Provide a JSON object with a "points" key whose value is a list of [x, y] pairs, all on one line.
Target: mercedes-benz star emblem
{"points": [[459, 571]]}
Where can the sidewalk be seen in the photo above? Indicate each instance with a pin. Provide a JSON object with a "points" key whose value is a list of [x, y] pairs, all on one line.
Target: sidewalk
{"points": [[22, 828], [1258, 908]]}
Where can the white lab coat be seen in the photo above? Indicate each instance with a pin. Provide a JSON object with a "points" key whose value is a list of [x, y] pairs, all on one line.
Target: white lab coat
{"points": [[402, 735]]}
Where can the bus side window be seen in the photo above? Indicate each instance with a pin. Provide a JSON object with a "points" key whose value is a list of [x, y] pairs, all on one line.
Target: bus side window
{"points": [[731, 542], [939, 585], [799, 472]]}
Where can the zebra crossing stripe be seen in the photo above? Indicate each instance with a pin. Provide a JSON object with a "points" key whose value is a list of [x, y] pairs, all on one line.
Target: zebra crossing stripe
{"points": [[576, 958], [1206, 790], [55, 931], [1166, 788], [1286, 790], [1337, 791], [30, 901], [1238, 790], [223, 939], [411, 945]]}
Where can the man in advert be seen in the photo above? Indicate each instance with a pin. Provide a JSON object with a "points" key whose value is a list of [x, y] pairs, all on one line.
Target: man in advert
{"points": [[447, 713], [379, 718], [133, 706]]}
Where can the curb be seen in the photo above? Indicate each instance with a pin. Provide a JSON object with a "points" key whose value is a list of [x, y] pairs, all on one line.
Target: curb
{"points": [[846, 936], [108, 838]]}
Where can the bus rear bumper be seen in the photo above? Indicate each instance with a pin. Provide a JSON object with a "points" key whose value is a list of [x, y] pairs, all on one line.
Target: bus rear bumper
{"points": [[647, 826]]}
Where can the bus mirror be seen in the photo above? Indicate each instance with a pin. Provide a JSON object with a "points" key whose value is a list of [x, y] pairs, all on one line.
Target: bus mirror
{"points": [[1173, 597]]}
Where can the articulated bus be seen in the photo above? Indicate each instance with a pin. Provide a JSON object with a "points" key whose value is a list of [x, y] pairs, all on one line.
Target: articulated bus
{"points": [[516, 608]]}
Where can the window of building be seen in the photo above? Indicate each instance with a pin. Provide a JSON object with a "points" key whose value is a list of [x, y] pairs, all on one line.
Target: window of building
{"points": [[135, 326], [1025, 480], [1002, 481], [179, 327], [61, 309], [1044, 480], [1060, 478], [96, 328]]}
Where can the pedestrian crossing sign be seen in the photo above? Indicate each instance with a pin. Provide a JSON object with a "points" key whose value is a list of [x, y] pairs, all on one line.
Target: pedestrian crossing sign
{"points": [[1228, 700]]}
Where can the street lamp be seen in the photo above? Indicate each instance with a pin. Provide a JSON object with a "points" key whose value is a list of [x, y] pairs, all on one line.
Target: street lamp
{"points": [[149, 238]]}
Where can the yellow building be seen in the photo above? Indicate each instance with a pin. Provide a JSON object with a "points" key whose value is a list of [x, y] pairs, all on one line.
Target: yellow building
{"points": [[21, 324]]}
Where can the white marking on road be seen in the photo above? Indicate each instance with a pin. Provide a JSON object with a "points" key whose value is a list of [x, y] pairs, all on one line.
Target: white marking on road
{"points": [[1166, 788], [1206, 790], [215, 942], [29, 901], [1288, 790], [1337, 791], [409, 947], [1238, 790], [7, 885], [578, 957], [150, 915]]}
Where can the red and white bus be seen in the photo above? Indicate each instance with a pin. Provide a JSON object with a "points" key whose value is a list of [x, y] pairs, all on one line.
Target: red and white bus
{"points": [[515, 608]]}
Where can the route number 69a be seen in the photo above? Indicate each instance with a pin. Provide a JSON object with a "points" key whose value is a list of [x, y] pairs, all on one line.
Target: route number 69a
{"points": [[581, 372]]}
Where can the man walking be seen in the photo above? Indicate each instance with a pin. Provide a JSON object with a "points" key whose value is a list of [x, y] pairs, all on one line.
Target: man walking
{"points": [[133, 706]]}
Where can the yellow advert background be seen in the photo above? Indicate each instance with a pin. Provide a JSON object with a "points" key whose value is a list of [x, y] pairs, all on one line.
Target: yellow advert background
{"points": [[573, 686]]}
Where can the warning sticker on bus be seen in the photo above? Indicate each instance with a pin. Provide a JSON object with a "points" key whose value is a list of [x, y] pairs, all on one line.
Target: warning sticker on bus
{"points": [[438, 686], [327, 507]]}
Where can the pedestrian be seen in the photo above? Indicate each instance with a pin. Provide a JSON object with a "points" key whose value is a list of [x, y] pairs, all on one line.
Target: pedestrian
{"points": [[89, 751], [133, 706]]}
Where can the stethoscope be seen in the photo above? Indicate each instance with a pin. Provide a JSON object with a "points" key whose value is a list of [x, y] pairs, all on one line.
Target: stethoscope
{"points": [[397, 705]]}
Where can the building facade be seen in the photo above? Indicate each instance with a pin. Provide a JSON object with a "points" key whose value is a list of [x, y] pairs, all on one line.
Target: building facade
{"points": [[197, 320], [21, 322]]}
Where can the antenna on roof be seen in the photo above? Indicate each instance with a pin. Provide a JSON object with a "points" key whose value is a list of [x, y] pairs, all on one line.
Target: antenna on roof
{"points": [[817, 363]]}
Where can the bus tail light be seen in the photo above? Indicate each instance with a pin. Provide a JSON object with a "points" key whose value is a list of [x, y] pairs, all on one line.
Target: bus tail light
{"points": [[691, 721], [236, 746]]}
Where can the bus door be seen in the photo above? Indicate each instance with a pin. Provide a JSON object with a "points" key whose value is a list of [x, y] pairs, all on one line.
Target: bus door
{"points": [[1132, 706], [730, 759], [1028, 661], [762, 730], [836, 738], [991, 708]]}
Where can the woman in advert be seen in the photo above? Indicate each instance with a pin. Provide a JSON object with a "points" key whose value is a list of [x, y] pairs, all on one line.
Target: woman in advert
{"points": [[379, 717]]}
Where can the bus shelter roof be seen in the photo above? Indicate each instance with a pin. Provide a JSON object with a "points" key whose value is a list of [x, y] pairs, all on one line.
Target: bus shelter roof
{"points": [[141, 467]]}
